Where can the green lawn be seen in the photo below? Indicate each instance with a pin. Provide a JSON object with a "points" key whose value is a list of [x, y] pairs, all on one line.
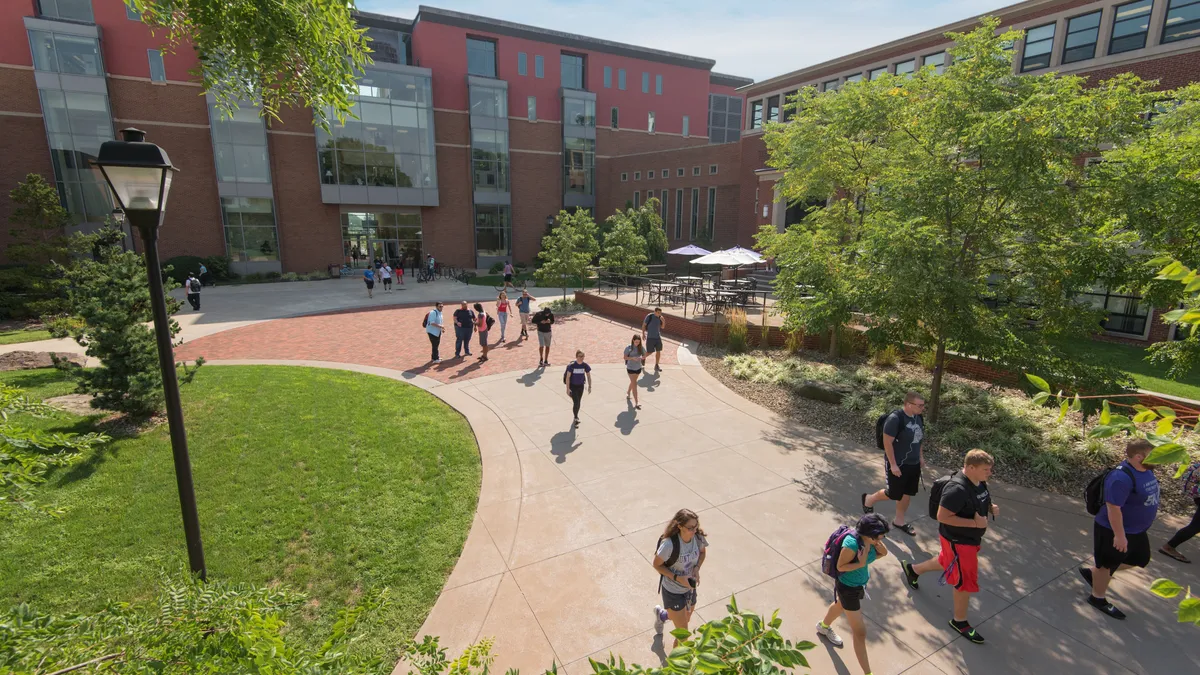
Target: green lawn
{"points": [[39, 384], [1132, 360], [331, 482], [15, 335]]}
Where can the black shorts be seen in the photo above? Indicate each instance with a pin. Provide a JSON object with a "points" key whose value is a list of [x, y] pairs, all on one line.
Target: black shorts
{"points": [[653, 344], [508, 277], [850, 597], [907, 483], [676, 602], [634, 372], [387, 281], [1137, 554], [370, 284]]}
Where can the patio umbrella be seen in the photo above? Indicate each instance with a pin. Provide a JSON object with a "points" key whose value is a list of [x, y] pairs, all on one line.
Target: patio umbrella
{"points": [[688, 250], [746, 252], [729, 257]]}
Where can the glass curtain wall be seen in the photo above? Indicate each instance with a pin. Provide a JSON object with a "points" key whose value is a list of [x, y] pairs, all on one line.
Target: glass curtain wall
{"points": [[76, 125], [387, 235], [240, 145], [250, 234]]}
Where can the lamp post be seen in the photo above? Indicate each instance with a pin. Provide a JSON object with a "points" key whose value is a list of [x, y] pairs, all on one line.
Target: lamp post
{"points": [[139, 175], [118, 217]]}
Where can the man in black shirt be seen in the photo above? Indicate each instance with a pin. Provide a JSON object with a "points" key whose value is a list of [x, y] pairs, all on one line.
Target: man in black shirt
{"points": [[544, 319], [464, 327], [962, 517], [903, 438]]}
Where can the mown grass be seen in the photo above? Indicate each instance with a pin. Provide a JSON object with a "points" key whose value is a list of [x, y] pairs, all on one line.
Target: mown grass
{"points": [[13, 336], [1132, 360]]}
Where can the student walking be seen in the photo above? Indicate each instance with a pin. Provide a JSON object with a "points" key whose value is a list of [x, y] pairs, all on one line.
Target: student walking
{"points": [[635, 360], [544, 319], [464, 326], [1121, 538], [502, 313], [1191, 488], [523, 310], [433, 328], [400, 273], [652, 327], [369, 280], [385, 273], [192, 287], [482, 324], [903, 437], [508, 276], [962, 517], [205, 277], [681, 551], [863, 546], [574, 377]]}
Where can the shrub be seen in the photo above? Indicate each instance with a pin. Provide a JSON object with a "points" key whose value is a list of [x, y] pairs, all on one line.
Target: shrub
{"points": [[1049, 466], [520, 266], [290, 276], [927, 360], [272, 275], [316, 275], [795, 341], [738, 331], [218, 267], [886, 357], [496, 268], [177, 268], [564, 305]]}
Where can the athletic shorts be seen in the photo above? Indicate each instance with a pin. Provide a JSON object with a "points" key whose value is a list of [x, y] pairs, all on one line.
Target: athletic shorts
{"points": [[483, 338], [677, 602], [370, 284], [387, 281], [634, 372], [1137, 553], [508, 277], [850, 596], [653, 344], [907, 483], [961, 562], [544, 338]]}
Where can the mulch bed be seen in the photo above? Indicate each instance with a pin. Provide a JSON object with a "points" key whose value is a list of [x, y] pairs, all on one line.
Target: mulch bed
{"points": [[26, 360]]}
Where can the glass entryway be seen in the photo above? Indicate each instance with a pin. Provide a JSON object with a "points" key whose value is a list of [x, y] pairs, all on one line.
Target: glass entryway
{"points": [[394, 237]]}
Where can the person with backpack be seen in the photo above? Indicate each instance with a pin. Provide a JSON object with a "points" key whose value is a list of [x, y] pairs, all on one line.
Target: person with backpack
{"points": [[192, 287], [960, 503], [483, 323], [433, 328], [523, 311], [385, 275], [1124, 513], [464, 326], [369, 280], [849, 552], [901, 435], [1191, 489], [578, 371], [681, 551]]}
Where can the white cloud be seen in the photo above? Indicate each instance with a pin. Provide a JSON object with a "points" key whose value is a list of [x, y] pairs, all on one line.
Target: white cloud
{"points": [[753, 40]]}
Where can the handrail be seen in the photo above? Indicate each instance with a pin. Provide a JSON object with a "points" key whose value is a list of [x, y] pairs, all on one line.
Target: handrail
{"points": [[709, 294]]}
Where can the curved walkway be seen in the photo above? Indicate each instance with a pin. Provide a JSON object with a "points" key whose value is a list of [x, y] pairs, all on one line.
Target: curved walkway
{"points": [[557, 564]]}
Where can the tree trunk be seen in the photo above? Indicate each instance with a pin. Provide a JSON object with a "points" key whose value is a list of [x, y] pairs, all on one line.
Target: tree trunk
{"points": [[833, 342], [935, 393]]}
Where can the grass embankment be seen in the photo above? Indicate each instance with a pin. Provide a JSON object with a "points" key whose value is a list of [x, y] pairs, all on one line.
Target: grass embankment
{"points": [[12, 336]]}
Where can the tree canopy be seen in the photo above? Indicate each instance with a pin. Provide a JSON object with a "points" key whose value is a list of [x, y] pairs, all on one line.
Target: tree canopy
{"points": [[569, 249]]}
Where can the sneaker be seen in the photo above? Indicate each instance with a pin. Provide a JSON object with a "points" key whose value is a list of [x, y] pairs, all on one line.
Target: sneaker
{"points": [[576, 423], [828, 633], [910, 575], [866, 509], [968, 632], [660, 618], [1086, 573], [437, 361], [1105, 606]]}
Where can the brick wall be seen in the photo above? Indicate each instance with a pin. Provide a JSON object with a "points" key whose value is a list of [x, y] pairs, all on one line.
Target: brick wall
{"points": [[23, 137], [1171, 71]]}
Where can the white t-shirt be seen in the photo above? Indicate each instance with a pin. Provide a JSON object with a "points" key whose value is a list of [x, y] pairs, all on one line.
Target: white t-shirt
{"points": [[386, 271]]}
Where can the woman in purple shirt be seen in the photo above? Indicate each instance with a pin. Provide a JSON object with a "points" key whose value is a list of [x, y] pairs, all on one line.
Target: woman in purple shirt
{"points": [[576, 375]]}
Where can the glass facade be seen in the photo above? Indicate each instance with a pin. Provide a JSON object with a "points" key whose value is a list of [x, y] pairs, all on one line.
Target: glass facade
{"points": [[572, 71], [1183, 20], [938, 61], [239, 145], [1082, 34], [71, 10], [1038, 44], [250, 234], [481, 57], [76, 125], [906, 67], [386, 235], [391, 142], [1131, 24], [489, 159], [388, 46], [67, 54], [579, 165], [579, 112], [489, 102], [493, 231]]}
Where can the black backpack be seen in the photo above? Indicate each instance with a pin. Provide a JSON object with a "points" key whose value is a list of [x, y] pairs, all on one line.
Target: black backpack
{"points": [[490, 321], [879, 428], [670, 559], [194, 285], [1093, 494], [935, 493]]}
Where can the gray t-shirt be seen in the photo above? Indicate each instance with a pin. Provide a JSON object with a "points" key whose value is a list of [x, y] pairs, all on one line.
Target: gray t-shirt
{"points": [[633, 361], [689, 557], [653, 325]]}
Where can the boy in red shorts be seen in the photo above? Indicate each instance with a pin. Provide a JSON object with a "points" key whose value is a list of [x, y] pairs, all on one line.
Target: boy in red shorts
{"points": [[962, 517]]}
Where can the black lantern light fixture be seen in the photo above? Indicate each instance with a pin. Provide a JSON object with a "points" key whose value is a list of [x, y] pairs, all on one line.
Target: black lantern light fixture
{"points": [[549, 221], [139, 175]]}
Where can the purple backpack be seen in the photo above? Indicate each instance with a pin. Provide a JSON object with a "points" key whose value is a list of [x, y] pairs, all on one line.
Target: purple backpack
{"points": [[833, 549]]}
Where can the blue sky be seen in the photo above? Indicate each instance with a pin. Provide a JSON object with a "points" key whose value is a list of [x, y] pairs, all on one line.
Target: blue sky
{"points": [[753, 39]]}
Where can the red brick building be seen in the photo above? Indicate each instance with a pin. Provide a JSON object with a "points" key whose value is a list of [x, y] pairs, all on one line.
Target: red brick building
{"points": [[472, 131]]}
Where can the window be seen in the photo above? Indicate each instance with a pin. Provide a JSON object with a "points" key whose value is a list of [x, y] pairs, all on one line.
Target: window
{"points": [[658, 85], [481, 57], [712, 169], [662, 207], [637, 199], [131, 14], [906, 67], [1131, 24], [579, 165], [488, 102], [621, 79], [695, 171], [679, 172], [493, 231], [695, 211], [665, 173], [579, 112], [489, 160], [158, 73], [572, 71], [650, 121], [539, 66], [624, 177], [938, 61], [679, 212], [72, 10], [388, 46], [789, 105], [1038, 43], [76, 125], [830, 85], [1126, 313], [637, 175], [773, 109], [522, 63], [1082, 34], [385, 233], [857, 77], [724, 118], [645, 83], [532, 108], [240, 146], [614, 117], [756, 110], [712, 210], [250, 233], [608, 77], [1183, 20], [69, 54], [685, 126], [877, 73]]}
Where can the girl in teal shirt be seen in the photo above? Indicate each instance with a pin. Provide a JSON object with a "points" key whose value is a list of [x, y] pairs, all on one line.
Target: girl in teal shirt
{"points": [[858, 552]]}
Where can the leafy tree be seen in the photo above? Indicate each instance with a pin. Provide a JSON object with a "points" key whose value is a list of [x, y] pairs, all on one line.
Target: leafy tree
{"points": [[278, 53], [39, 238], [650, 226], [111, 298], [568, 250], [624, 249], [970, 237]]}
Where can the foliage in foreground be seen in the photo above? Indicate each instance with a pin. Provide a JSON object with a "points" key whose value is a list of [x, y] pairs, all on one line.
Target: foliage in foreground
{"points": [[193, 627]]}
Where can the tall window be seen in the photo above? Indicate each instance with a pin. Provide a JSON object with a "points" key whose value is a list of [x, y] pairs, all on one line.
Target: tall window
{"points": [[572, 71], [608, 77], [637, 199], [69, 54], [522, 63], [712, 210], [685, 126], [938, 61], [724, 119], [388, 46], [1183, 20], [645, 83], [1126, 313], [658, 85], [489, 160], [481, 57], [662, 207], [877, 73], [650, 121], [250, 233], [773, 109], [1131, 24], [493, 230], [679, 214], [489, 102], [614, 114], [72, 10], [539, 66], [532, 108], [579, 112], [1082, 34], [131, 14], [240, 146], [789, 105], [756, 110], [579, 165], [695, 211], [76, 125], [158, 73], [857, 77], [621, 79], [906, 67], [1038, 44]]}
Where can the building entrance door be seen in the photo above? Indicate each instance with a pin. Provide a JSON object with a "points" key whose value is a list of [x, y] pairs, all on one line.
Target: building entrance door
{"points": [[393, 237]]}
